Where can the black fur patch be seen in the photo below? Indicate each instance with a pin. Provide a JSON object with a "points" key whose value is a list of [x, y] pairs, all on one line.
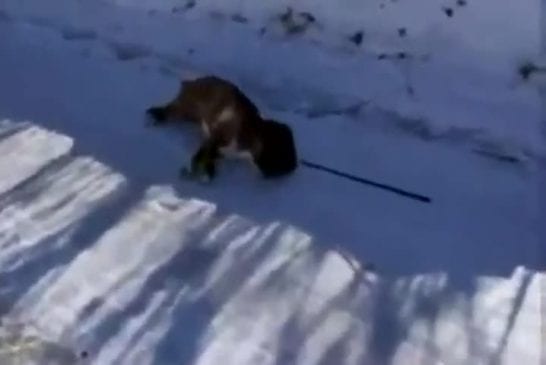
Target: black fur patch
{"points": [[159, 114], [278, 156]]}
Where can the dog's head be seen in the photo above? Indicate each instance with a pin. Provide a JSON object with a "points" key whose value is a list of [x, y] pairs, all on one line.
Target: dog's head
{"points": [[278, 156]]}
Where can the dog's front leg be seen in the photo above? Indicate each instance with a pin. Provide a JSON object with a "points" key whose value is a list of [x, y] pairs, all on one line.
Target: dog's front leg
{"points": [[203, 163]]}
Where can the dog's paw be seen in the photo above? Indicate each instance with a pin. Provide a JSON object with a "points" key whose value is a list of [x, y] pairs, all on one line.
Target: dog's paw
{"points": [[187, 173]]}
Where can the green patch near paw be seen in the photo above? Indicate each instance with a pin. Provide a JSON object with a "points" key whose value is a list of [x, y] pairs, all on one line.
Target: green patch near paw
{"points": [[197, 174]]}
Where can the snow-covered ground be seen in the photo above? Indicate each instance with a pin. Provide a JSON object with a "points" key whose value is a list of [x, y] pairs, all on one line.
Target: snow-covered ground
{"points": [[467, 64], [106, 257]]}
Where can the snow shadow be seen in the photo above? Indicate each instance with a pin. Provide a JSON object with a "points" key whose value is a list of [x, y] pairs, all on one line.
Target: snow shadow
{"points": [[224, 280], [407, 326], [212, 266]]}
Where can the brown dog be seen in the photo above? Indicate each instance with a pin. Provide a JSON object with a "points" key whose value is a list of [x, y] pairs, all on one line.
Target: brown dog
{"points": [[231, 124]]}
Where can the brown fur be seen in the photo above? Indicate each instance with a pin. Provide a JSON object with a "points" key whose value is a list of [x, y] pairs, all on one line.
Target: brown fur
{"points": [[229, 118]]}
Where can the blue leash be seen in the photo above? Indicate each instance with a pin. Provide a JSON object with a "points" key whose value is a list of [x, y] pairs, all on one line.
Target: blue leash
{"points": [[408, 194]]}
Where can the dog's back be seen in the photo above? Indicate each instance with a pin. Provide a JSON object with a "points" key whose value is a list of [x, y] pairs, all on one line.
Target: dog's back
{"points": [[210, 98], [220, 107]]}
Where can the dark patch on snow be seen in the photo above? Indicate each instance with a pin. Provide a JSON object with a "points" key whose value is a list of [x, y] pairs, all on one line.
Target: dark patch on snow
{"points": [[497, 156], [75, 34], [296, 23], [129, 51], [357, 38], [308, 16], [190, 4], [286, 16], [4, 17], [417, 127], [422, 129], [397, 56], [527, 69], [448, 11], [350, 110], [238, 18]]}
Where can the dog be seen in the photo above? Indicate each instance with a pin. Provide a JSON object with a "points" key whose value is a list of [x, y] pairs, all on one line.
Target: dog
{"points": [[231, 124]]}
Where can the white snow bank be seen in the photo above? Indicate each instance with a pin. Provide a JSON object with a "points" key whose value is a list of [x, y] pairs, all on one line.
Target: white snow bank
{"points": [[458, 79]]}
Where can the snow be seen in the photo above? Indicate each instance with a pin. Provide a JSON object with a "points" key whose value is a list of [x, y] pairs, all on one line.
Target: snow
{"points": [[467, 64], [105, 250]]}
